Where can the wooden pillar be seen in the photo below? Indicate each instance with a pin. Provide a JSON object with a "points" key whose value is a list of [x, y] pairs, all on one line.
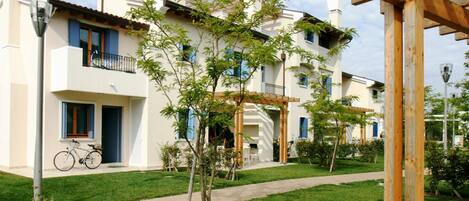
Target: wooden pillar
{"points": [[362, 134], [283, 158], [238, 132], [414, 100], [393, 103]]}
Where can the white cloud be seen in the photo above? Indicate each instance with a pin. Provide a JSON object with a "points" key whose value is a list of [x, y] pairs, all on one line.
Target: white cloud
{"points": [[365, 56]]}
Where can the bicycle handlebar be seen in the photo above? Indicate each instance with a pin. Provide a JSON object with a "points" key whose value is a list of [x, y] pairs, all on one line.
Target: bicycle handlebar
{"points": [[74, 141]]}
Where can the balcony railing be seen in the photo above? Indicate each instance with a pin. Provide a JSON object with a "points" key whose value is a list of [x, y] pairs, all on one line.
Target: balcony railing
{"points": [[272, 88], [109, 61]]}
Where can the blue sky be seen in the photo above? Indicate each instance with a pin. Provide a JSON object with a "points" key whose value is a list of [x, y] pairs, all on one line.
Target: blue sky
{"points": [[365, 56]]}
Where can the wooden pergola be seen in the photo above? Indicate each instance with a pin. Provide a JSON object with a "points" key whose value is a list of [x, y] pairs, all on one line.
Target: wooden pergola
{"points": [[259, 98], [413, 16]]}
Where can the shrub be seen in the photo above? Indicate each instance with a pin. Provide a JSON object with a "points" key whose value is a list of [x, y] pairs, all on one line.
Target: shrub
{"points": [[435, 158], [454, 171], [170, 157], [305, 151], [370, 150], [346, 150], [323, 153], [188, 156]]}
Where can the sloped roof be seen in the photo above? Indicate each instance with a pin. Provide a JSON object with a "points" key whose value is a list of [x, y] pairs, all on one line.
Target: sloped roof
{"points": [[99, 16]]}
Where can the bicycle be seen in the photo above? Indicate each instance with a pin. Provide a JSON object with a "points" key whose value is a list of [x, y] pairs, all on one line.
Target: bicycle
{"points": [[65, 160]]}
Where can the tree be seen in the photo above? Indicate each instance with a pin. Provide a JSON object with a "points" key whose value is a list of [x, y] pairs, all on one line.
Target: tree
{"points": [[462, 101], [329, 117], [434, 105], [230, 52]]}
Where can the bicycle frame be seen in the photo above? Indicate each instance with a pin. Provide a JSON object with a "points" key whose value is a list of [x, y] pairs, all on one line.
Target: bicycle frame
{"points": [[73, 150]]}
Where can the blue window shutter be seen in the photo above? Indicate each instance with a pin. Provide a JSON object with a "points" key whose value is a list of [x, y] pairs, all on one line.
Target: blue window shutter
{"points": [[64, 120], [111, 41], [91, 118], [190, 125], [192, 57], [375, 129], [244, 69], [329, 85], [303, 127], [73, 33]]}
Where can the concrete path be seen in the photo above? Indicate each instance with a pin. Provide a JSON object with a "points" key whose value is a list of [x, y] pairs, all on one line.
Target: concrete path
{"points": [[251, 191]]}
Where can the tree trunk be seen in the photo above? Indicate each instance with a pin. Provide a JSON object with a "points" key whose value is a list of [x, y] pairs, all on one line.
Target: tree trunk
{"points": [[335, 152]]}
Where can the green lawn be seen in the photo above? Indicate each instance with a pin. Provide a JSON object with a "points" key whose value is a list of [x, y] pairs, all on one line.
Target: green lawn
{"points": [[150, 184], [364, 191]]}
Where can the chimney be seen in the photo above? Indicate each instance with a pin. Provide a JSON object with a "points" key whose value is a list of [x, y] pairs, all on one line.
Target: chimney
{"points": [[335, 12]]}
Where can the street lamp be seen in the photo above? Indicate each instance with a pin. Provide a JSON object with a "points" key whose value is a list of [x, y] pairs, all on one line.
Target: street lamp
{"points": [[446, 70], [41, 12]]}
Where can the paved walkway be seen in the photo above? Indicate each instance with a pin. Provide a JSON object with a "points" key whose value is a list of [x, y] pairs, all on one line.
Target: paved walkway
{"points": [[251, 191]]}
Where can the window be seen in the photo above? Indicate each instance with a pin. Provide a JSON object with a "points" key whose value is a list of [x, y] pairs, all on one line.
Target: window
{"points": [[303, 80], [303, 127], [77, 120], [241, 68], [92, 43], [186, 124], [188, 53], [375, 94], [324, 41], [309, 36], [327, 83]]}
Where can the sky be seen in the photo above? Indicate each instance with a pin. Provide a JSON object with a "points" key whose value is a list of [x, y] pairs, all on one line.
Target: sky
{"points": [[365, 56]]}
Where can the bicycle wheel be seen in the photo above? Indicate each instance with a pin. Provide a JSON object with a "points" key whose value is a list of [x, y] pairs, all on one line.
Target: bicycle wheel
{"points": [[64, 161], [93, 160]]}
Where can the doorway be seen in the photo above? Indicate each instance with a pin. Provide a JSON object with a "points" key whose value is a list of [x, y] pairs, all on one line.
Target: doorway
{"points": [[112, 134]]}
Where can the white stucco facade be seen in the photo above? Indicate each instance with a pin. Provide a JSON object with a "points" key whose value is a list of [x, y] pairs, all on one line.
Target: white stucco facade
{"points": [[143, 129]]}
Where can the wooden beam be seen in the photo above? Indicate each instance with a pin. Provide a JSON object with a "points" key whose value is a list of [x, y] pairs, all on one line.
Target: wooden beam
{"points": [[238, 132], [428, 24], [393, 105], [444, 12], [414, 101], [444, 30], [461, 36], [358, 2], [448, 13]]}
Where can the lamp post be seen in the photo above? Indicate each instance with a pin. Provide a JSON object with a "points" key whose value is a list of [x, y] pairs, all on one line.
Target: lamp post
{"points": [[283, 56], [445, 70], [41, 12]]}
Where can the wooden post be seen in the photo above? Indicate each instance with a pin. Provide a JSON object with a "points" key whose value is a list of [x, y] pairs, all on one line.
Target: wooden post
{"points": [[393, 103], [238, 132], [362, 134], [414, 97], [283, 152]]}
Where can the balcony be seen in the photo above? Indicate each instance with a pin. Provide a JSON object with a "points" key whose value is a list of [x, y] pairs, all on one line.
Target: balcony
{"points": [[269, 88], [109, 61], [73, 69]]}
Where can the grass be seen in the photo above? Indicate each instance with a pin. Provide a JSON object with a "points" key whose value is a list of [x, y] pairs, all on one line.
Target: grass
{"points": [[151, 184], [365, 191]]}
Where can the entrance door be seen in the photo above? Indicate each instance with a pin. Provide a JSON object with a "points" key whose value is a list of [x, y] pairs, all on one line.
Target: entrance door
{"points": [[111, 132]]}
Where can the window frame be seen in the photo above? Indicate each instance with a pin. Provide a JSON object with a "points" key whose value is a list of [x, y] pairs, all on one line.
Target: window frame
{"points": [[307, 35], [64, 136], [90, 29], [301, 82]]}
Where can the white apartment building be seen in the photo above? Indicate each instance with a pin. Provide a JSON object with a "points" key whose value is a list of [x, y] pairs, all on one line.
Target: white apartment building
{"points": [[94, 92]]}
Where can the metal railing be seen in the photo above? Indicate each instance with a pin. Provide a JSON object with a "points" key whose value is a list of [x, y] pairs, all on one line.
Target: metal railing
{"points": [[109, 61], [272, 88]]}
